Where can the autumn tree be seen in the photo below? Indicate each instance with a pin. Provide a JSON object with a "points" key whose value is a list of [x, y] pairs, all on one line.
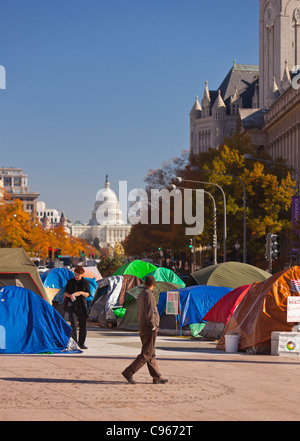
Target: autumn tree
{"points": [[20, 229], [269, 191]]}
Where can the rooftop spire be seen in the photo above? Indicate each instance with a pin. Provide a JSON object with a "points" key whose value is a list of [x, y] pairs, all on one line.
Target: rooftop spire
{"points": [[107, 183], [206, 95], [219, 103], [196, 109]]}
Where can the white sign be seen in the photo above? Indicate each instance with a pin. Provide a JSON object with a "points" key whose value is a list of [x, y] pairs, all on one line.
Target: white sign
{"points": [[293, 309], [172, 306]]}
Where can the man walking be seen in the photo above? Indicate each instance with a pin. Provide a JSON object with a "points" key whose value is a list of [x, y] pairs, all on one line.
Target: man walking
{"points": [[148, 320], [76, 291]]}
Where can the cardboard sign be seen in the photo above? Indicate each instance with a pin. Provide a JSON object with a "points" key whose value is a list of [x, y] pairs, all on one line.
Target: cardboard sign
{"points": [[293, 309], [172, 306]]}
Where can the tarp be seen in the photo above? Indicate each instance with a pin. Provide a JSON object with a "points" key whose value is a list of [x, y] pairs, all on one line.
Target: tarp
{"points": [[228, 274], [17, 269], [136, 268], [195, 302], [166, 275], [110, 294], [219, 315], [29, 325], [264, 310], [224, 308], [130, 318]]}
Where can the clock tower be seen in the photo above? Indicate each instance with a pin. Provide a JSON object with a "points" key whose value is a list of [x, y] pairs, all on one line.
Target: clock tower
{"points": [[279, 45]]}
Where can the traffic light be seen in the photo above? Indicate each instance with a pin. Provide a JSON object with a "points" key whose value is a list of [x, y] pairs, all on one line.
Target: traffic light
{"points": [[50, 252], [272, 247], [159, 248], [59, 253], [82, 253], [275, 247], [55, 253], [191, 244]]}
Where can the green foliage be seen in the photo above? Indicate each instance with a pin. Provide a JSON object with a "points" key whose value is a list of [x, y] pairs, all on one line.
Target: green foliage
{"points": [[269, 191], [109, 265]]}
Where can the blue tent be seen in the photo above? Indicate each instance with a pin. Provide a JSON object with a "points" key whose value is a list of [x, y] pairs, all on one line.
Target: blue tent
{"points": [[195, 302], [29, 325], [58, 278]]}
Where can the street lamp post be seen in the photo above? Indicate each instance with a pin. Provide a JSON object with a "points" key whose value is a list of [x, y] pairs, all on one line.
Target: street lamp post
{"points": [[215, 237], [244, 204], [225, 209]]}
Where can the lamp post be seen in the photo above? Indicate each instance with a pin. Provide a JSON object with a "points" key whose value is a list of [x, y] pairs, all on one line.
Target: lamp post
{"points": [[237, 247], [225, 209], [244, 204], [215, 237]]}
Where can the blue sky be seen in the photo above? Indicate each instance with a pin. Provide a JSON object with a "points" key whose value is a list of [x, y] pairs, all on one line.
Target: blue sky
{"points": [[100, 87]]}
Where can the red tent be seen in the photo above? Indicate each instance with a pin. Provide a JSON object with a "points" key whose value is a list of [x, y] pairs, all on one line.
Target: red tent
{"points": [[224, 308]]}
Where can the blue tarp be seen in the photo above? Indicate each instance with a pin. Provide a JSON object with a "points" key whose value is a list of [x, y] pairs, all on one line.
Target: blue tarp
{"points": [[195, 302], [58, 278], [29, 325]]}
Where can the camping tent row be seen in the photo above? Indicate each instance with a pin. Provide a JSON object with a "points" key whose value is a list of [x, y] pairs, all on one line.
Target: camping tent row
{"points": [[111, 298], [263, 310], [253, 309], [28, 322], [115, 299]]}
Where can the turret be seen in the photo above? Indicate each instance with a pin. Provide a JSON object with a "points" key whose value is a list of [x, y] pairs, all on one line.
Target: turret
{"points": [[219, 107], [206, 102]]}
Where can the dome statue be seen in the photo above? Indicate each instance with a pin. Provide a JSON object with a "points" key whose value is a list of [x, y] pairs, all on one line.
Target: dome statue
{"points": [[107, 208]]}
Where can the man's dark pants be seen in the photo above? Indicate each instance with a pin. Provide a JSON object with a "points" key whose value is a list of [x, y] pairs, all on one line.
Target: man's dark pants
{"points": [[147, 355], [73, 318]]}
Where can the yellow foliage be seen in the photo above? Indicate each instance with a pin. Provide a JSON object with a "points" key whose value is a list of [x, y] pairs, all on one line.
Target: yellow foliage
{"points": [[19, 229]]}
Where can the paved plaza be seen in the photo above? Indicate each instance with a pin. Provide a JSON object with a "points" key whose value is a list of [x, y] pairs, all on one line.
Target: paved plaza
{"points": [[204, 384]]}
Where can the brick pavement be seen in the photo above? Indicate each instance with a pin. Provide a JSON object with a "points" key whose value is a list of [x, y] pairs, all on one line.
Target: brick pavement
{"points": [[204, 384]]}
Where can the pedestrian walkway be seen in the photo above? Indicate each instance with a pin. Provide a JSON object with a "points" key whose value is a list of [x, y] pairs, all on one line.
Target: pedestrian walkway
{"points": [[204, 384]]}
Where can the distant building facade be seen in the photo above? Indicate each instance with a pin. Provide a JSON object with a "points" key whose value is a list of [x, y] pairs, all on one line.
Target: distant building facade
{"points": [[262, 101], [275, 125], [52, 218], [15, 183], [52, 214], [217, 115]]}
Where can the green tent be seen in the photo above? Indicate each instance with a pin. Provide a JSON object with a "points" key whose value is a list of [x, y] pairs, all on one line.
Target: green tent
{"points": [[17, 269], [130, 318], [137, 268], [166, 275], [228, 274]]}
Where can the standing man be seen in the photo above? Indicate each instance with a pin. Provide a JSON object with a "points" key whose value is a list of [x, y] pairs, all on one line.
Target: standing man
{"points": [[76, 291], [148, 319]]}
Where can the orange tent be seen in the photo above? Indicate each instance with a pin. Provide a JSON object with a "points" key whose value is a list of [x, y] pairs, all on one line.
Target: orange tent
{"points": [[264, 310]]}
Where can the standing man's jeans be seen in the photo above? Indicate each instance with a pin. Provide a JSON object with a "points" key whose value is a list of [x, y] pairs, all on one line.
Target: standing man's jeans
{"points": [[147, 355], [82, 326]]}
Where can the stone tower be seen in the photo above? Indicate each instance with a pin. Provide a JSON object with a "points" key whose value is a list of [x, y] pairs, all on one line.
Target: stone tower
{"points": [[279, 45]]}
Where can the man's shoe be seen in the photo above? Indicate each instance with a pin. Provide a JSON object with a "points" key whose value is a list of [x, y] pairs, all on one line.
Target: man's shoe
{"points": [[83, 346], [160, 380], [129, 379]]}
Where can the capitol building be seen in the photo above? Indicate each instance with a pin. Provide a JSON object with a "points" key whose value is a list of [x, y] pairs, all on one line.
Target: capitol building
{"points": [[106, 223]]}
